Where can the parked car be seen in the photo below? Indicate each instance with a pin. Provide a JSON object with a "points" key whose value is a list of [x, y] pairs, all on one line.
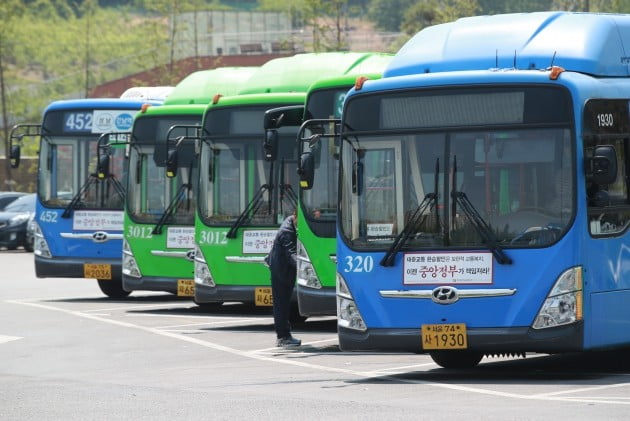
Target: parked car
{"points": [[14, 219], [7, 197]]}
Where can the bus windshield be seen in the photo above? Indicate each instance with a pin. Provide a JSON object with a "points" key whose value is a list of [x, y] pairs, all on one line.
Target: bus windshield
{"points": [[239, 178], [151, 192], [458, 188], [67, 165], [236, 183]]}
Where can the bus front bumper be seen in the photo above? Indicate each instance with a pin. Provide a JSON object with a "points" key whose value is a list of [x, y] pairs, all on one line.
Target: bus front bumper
{"points": [[72, 267], [317, 302], [150, 283], [223, 293], [568, 338], [205, 294]]}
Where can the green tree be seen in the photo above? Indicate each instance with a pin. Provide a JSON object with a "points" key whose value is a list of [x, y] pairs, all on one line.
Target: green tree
{"points": [[432, 12], [493, 7], [604, 6], [388, 15], [10, 10]]}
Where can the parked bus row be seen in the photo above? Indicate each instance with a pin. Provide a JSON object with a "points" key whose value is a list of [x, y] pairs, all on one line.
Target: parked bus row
{"points": [[473, 200]]}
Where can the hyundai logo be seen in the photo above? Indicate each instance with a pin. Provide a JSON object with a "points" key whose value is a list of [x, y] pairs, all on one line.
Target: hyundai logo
{"points": [[190, 255], [444, 295], [99, 237]]}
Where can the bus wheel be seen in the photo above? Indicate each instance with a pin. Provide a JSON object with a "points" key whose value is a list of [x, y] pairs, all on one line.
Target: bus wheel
{"points": [[456, 359], [112, 288]]}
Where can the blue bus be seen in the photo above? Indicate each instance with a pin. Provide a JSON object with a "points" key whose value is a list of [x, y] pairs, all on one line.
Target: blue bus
{"points": [[79, 213], [484, 195]]}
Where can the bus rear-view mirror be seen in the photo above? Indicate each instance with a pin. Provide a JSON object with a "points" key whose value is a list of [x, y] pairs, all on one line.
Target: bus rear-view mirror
{"points": [[603, 165], [270, 145], [14, 156], [171, 163], [102, 167], [307, 170]]}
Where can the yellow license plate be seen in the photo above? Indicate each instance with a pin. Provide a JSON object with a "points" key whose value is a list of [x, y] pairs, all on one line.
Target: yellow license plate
{"points": [[97, 270], [185, 288], [263, 297], [444, 336]]}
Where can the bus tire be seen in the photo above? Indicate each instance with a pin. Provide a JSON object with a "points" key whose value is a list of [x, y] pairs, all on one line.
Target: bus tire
{"points": [[456, 359], [112, 288]]}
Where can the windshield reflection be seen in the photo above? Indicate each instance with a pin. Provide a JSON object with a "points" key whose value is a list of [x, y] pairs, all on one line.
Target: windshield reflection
{"points": [[518, 182]]}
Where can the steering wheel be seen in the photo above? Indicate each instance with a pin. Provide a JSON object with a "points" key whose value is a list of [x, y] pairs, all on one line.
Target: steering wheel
{"points": [[537, 236]]}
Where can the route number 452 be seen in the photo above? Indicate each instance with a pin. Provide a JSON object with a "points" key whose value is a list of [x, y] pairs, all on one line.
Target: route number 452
{"points": [[358, 264]]}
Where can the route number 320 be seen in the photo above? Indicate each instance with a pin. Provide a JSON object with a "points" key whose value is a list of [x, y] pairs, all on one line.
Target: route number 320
{"points": [[358, 264]]}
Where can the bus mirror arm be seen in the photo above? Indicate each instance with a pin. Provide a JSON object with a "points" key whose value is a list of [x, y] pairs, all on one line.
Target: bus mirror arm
{"points": [[18, 133]]}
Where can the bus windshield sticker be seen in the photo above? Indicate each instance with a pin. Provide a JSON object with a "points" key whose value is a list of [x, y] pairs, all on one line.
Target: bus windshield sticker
{"points": [[180, 237], [258, 241], [377, 230], [447, 268], [100, 220]]}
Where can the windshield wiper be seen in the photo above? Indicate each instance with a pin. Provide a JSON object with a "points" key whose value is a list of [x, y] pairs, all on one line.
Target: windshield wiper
{"points": [[76, 199], [480, 225], [249, 211], [170, 209], [417, 219], [92, 181]]}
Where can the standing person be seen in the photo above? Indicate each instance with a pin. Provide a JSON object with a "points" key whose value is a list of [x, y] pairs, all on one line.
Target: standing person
{"points": [[282, 261]]}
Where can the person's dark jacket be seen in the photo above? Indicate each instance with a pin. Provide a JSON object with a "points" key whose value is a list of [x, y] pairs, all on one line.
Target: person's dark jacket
{"points": [[282, 258]]}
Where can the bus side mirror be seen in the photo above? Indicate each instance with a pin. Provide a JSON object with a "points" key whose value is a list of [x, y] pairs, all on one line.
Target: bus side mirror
{"points": [[603, 165], [270, 145], [171, 163], [14, 156], [307, 170], [102, 167]]}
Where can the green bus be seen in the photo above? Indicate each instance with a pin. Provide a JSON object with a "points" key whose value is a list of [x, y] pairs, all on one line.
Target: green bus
{"points": [[158, 243], [317, 195], [248, 181]]}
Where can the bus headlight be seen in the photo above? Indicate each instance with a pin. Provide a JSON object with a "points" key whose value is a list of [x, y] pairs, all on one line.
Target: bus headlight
{"points": [[129, 264], [564, 303], [40, 245], [306, 275], [202, 271], [348, 314]]}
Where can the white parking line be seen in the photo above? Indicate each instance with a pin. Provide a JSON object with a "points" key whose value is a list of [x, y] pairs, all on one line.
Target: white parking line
{"points": [[585, 389], [5, 338], [147, 306], [367, 375], [218, 322]]}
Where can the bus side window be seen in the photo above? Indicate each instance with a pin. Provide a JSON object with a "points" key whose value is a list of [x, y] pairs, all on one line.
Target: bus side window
{"points": [[608, 204]]}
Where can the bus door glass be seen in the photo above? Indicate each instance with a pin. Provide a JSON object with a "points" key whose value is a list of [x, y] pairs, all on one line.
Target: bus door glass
{"points": [[287, 173], [59, 170], [320, 202], [608, 204], [147, 185]]}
